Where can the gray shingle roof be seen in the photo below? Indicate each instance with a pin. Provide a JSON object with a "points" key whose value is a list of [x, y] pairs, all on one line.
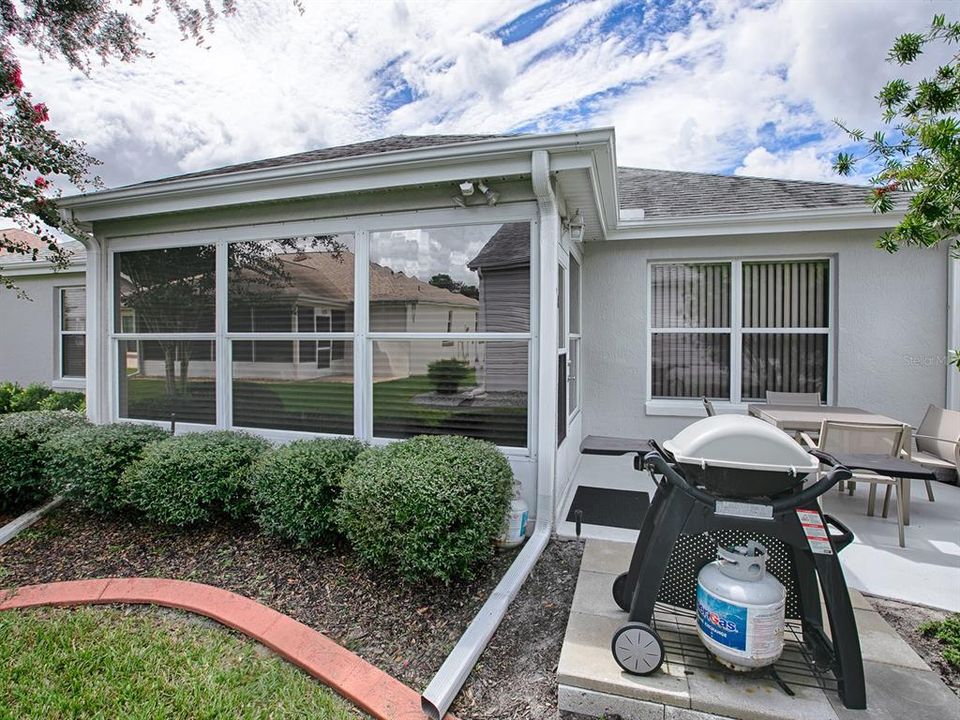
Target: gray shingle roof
{"points": [[369, 147], [509, 247], [671, 194]]}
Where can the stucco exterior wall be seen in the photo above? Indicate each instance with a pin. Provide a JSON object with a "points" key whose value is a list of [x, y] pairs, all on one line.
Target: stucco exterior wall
{"points": [[890, 315], [28, 329]]}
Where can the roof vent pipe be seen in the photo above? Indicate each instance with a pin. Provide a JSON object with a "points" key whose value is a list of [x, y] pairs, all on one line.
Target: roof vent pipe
{"points": [[439, 694]]}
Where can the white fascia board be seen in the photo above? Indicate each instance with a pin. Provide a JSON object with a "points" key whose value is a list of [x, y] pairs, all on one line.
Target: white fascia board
{"points": [[41, 267], [759, 223], [445, 163]]}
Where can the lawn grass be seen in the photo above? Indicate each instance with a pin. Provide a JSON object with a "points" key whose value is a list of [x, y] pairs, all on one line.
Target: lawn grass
{"points": [[144, 663]]}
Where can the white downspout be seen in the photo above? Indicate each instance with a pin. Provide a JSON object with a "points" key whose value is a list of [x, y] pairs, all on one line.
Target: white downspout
{"points": [[953, 330], [443, 688]]}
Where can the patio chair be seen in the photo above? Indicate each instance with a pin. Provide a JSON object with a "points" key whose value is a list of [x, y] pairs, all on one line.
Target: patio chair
{"points": [[708, 406], [792, 398], [868, 438], [937, 442]]}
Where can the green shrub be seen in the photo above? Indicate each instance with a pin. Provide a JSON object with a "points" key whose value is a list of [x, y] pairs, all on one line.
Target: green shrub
{"points": [[75, 401], [947, 631], [447, 375], [22, 455], [193, 478], [85, 463], [8, 391], [294, 488], [428, 507], [30, 398]]}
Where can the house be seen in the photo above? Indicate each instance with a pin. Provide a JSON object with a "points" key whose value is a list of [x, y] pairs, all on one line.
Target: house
{"points": [[310, 294]]}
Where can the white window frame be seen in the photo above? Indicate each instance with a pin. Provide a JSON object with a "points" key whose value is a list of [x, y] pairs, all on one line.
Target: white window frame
{"points": [[693, 407], [362, 337], [61, 381], [573, 369]]}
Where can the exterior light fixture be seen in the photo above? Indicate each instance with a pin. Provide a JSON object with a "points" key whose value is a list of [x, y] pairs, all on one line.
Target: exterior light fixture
{"points": [[492, 196], [575, 227]]}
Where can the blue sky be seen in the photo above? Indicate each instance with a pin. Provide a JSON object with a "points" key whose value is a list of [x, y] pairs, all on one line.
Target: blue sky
{"points": [[723, 86]]}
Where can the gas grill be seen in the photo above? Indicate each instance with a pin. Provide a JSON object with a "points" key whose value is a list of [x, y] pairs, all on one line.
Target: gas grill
{"points": [[733, 477]]}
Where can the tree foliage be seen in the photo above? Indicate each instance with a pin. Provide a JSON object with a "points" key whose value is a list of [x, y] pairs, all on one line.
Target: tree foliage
{"points": [[32, 155], [918, 150]]}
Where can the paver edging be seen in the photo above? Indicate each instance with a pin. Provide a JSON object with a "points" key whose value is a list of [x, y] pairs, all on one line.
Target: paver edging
{"points": [[345, 672]]}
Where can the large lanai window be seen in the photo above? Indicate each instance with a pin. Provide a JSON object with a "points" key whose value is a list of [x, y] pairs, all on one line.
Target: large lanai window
{"points": [[732, 330], [450, 331], [380, 333]]}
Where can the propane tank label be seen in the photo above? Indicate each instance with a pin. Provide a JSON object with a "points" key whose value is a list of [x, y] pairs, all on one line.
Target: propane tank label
{"points": [[753, 632], [721, 621]]}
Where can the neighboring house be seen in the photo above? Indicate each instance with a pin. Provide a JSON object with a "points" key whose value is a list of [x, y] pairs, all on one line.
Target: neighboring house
{"points": [[675, 286], [42, 333]]}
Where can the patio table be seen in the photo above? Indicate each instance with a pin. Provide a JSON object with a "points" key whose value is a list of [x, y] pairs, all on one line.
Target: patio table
{"points": [[797, 418]]}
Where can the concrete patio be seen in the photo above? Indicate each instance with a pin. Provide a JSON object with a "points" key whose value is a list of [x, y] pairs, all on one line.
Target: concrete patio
{"points": [[690, 687], [925, 572]]}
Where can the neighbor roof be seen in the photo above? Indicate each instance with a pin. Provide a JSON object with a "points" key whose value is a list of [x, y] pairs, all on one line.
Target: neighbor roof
{"points": [[73, 247], [666, 194], [509, 247], [328, 275]]}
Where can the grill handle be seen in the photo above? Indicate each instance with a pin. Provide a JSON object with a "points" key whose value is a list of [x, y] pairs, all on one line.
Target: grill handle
{"points": [[655, 463]]}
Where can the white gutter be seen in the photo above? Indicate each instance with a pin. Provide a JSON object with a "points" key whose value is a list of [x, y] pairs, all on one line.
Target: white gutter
{"points": [[443, 688], [953, 330]]}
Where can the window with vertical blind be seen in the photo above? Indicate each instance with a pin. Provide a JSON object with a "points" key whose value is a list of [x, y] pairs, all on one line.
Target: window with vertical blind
{"points": [[72, 331], [733, 330]]}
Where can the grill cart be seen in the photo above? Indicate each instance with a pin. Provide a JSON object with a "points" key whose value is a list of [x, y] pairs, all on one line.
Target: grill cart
{"points": [[737, 477]]}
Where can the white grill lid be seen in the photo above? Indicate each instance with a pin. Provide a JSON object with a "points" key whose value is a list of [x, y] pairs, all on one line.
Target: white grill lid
{"points": [[740, 441]]}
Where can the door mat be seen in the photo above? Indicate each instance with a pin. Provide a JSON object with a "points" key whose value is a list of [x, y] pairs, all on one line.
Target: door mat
{"points": [[609, 507]]}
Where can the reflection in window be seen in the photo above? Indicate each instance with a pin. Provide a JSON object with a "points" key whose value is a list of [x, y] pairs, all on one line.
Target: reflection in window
{"points": [[451, 279], [170, 290], [291, 285], [158, 378], [475, 388], [311, 391]]}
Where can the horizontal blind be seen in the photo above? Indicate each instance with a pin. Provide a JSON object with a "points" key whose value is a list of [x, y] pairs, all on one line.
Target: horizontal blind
{"points": [[73, 309]]}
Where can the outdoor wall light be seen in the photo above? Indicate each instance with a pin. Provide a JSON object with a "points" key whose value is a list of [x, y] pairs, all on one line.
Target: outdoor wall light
{"points": [[575, 227], [492, 196]]}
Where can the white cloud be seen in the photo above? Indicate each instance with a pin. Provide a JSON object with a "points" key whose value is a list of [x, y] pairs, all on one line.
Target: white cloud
{"points": [[744, 86]]}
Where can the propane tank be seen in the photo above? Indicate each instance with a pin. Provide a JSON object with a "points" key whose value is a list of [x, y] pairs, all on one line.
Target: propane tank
{"points": [[514, 530], [740, 608]]}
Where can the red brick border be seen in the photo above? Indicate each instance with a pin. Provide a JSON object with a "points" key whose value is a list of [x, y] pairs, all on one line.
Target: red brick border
{"points": [[363, 684]]}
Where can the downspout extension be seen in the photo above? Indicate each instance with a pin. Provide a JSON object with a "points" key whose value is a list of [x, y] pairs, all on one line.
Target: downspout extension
{"points": [[443, 688]]}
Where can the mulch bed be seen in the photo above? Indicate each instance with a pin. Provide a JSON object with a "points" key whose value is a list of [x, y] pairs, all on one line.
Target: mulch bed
{"points": [[405, 630], [905, 618]]}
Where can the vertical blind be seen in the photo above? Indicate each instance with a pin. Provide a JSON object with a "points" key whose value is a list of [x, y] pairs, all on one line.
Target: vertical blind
{"points": [[784, 316], [688, 297], [790, 296]]}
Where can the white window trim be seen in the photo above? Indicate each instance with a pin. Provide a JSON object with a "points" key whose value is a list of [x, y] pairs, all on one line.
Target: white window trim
{"points": [[61, 381], [693, 407], [360, 227], [575, 256]]}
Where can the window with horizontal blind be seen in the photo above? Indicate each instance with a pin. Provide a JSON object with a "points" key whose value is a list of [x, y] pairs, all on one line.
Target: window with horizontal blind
{"points": [[72, 332], [733, 330]]}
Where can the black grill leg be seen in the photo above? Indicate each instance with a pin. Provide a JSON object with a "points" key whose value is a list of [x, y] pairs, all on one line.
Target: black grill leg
{"points": [[670, 522], [843, 629], [647, 528]]}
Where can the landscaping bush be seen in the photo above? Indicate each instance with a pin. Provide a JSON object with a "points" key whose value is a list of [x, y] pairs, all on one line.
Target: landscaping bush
{"points": [[294, 488], [30, 397], [22, 453], [85, 463], [75, 401], [447, 375], [8, 391], [428, 507], [193, 478]]}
